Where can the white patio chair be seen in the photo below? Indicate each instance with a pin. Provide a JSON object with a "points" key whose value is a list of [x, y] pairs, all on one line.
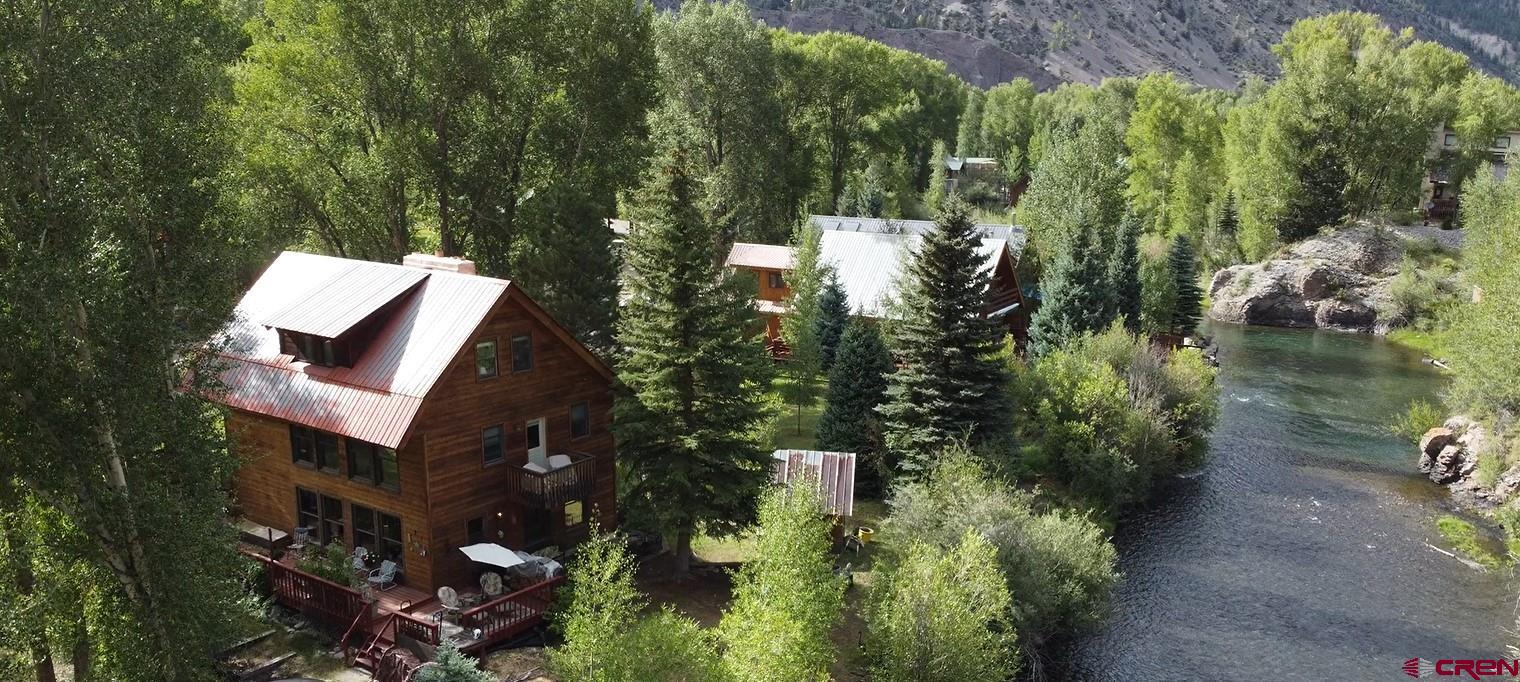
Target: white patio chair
{"points": [[490, 583], [383, 577], [558, 461], [300, 539], [360, 555], [449, 599]]}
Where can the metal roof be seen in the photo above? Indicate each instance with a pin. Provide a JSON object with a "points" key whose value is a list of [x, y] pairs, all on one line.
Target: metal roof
{"points": [[1013, 234], [344, 299], [377, 398], [764, 256], [833, 472], [868, 264]]}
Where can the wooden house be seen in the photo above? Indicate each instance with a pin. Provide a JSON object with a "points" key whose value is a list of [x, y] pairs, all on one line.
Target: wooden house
{"points": [[868, 254], [413, 409], [769, 265]]}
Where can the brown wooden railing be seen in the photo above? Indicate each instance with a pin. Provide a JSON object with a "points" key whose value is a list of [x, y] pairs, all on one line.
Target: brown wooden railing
{"points": [[508, 616], [420, 629], [553, 489], [998, 300], [333, 606]]}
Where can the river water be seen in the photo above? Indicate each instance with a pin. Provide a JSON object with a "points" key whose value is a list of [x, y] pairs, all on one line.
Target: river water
{"points": [[1298, 551]]}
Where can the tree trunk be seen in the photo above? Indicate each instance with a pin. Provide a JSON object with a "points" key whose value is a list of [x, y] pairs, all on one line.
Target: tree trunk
{"points": [[26, 582], [445, 184], [681, 560], [81, 652]]}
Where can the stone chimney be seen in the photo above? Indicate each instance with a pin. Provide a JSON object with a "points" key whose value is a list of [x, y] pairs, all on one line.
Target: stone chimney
{"points": [[444, 263]]}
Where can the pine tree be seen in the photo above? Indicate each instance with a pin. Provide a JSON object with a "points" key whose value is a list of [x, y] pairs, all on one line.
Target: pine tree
{"points": [[693, 373], [451, 665], [832, 317], [1320, 199], [1124, 272], [951, 385], [1184, 267], [857, 385], [1075, 296]]}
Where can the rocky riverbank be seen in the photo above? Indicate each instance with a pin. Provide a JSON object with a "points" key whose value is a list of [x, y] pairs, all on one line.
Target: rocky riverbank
{"points": [[1452, 455], [1340, 280]]}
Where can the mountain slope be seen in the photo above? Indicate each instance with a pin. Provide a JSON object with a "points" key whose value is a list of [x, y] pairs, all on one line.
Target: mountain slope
{"points": [[1210, 42]]}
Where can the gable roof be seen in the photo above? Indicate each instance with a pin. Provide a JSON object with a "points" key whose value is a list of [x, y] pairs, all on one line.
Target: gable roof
{"points": [[832, 472], [763, 256], [1014, 235], [378, 398], [868, 264]]}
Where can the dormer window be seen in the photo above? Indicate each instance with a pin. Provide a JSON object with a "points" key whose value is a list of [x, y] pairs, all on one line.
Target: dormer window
{"points": [[315, 349], [331, 324]]}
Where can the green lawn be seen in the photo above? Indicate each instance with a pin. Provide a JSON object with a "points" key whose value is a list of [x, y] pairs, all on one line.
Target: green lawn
{"points": [[794, 431]]}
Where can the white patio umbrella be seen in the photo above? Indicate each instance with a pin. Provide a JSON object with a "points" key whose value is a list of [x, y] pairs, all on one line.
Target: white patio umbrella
{"points": [[492, 553]]}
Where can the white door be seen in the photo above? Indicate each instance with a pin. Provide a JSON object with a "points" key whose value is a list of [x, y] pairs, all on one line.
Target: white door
{"points": [[538, 450]]}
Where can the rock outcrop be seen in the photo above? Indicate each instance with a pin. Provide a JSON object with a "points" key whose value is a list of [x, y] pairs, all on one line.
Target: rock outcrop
{"points": [[1449, 455], [1338, 280]]}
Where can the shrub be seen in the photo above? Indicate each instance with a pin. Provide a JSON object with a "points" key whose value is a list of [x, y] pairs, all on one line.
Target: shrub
{"points": [[1419, 417], [1417, 293], [330, 562], [941, 615], [452, 666]]}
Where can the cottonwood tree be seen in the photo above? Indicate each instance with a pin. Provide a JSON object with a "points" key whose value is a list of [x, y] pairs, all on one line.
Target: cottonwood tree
{"points": [[1078, 183], [950, 385], [693, 374], [115, 267], [787, 599]]}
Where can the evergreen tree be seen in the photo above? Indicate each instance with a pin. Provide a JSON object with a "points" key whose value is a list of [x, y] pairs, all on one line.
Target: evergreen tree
{"points": [[857, 385], [1124, 272], [1075, 294], [951, 385], [693, 373], [832, 317], [1184, 267], [451, 665], [1221, 245]]}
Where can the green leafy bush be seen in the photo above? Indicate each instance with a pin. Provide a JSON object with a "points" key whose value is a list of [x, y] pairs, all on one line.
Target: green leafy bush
{"points": [[1420, 292], [331, 562], [1420, 417]]}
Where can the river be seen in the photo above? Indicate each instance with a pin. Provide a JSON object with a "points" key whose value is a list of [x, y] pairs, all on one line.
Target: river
{"points": [[1298, 551]]}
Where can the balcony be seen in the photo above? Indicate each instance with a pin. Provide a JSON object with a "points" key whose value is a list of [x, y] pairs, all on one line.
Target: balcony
{"points": [[552, 489]]}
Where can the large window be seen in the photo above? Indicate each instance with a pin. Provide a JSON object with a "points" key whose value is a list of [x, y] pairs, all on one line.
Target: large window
{"points": [[575, 513], [332, 520], [303, 445], [490, 445], [390, 538], [366, 533], [373, 464], [327, 452], [776, 280], [485, 359], [307, 515], [580, 420], [475, 531], [522, 353]]}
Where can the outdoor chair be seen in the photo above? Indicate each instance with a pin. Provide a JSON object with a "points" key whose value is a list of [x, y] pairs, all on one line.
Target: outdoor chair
{"points": [[490, 583], [300, 539], [383, 577], [450, 601], [361, 555]]}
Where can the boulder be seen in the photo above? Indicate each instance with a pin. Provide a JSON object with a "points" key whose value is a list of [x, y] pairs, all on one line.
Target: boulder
{"points": [[1435, 439], [1447, 465], [1345, 315]]}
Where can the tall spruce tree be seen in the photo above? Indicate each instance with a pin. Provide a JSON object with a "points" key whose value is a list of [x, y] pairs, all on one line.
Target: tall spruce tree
{"points": [[693, 374], [1184, 266], [832, 317], [1124, 272], [951, 385], [857, 385], [1075, 292]]}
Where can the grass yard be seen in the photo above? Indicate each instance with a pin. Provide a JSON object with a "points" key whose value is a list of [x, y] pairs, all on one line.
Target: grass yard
{"points": [[794, 431]]}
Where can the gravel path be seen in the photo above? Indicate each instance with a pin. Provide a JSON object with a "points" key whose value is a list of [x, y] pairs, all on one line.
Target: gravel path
{"points": [[1451, 239]]}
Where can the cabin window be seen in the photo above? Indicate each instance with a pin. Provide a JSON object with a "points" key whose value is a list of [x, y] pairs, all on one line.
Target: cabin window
{"points": [[364, 527], [475, 531], [327, 452], [307, 515], [776, 281], [1502, 143], [332, 519], [580, 420], [1451, 139], [522, 353], [303, 445], [390, 538], [575, 513], [485, 359], [490, 445], [373, 464]]}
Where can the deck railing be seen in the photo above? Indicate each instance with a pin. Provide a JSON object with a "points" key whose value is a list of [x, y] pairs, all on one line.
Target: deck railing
{"points": [[332, 605], [420, 629], [998, 300], [508, 616], [553, 489]]}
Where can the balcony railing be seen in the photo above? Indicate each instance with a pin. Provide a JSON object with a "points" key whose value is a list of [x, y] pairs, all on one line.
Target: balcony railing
{"points": [[553, 489]]}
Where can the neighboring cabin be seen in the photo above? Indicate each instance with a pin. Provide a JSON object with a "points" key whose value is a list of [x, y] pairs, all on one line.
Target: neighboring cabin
{"points": [[1438, 199], [867, 253], [413, 409]]}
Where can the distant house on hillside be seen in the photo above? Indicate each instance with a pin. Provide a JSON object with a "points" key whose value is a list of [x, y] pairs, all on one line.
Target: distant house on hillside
{"points": [[412, 410], [960, 171], [1438, 200], [867, 254]]}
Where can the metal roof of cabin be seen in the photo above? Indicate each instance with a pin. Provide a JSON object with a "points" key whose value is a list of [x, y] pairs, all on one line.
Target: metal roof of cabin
{"points": [[868, 264], [763, 256], [834, 473], [377, 398], [1014, 235]]}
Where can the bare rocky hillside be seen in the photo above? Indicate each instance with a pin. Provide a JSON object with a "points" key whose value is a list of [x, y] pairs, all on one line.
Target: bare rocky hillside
{"points": [[1210, 42]]}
